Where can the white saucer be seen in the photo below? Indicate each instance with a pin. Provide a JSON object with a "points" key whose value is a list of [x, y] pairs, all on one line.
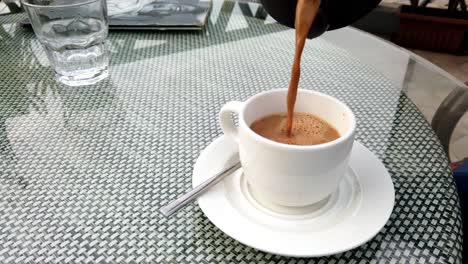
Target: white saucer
{"points": [[350, 217]]}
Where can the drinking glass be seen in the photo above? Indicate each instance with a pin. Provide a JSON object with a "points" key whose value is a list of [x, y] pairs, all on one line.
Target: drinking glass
{"points": [[73, 34]]}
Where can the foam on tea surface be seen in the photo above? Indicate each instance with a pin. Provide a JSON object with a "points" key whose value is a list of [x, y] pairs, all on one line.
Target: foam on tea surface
{"points": [[308, 129]]}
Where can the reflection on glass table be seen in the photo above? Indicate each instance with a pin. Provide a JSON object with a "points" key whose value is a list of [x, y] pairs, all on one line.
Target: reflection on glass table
{"points": [[156, 14], [439, 96]]}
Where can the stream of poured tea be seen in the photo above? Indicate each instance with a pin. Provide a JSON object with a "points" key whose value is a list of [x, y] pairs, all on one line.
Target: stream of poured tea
{"points": [[306, 11]]}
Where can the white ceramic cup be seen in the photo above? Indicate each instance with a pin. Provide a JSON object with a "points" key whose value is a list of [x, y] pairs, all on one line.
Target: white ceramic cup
{"points": [[290, 175]]}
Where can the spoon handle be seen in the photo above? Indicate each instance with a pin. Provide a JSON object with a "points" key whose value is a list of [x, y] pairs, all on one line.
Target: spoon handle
{"points": [[180, 202]]}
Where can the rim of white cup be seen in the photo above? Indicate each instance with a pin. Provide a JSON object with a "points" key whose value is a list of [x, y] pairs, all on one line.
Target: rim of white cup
{"points": [[349, 133]]}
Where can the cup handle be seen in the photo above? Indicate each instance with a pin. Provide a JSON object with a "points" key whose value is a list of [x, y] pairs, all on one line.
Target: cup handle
{"points": [[225, 120]]}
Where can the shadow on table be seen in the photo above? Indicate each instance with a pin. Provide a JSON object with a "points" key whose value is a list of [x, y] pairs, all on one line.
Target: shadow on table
{"points": [[20, 93], [87, 108]]}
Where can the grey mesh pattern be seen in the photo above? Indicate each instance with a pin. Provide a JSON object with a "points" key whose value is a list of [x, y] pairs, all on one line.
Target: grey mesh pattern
{"points": [[84, 170]]}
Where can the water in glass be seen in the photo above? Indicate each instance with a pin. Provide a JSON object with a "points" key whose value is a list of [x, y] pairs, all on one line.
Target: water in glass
{"points": [[74, 40]]}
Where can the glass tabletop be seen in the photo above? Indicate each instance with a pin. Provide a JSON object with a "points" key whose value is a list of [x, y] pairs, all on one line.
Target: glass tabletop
{"points": [[85, 170], [441, 98]]}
